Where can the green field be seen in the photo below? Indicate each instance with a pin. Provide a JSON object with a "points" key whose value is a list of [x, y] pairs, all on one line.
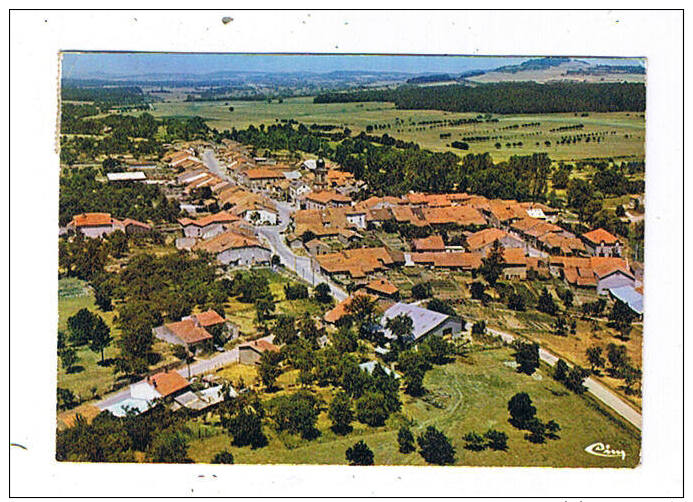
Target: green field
{"points": [[475, 393], [357, 116]]}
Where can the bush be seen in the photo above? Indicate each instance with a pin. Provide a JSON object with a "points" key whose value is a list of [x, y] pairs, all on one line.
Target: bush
{"points": [[479, 328], [223, 457], [497, 440], [474, 442], [526, 356], [521, 409], [371, 409], [323, 293], [405, 440], [296, 291], [359, 454], [435, 447], [441, 306], [422, 290]]}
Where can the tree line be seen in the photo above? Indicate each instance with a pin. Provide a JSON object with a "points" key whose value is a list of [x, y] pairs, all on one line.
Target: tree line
{"points": [[512, 97]]}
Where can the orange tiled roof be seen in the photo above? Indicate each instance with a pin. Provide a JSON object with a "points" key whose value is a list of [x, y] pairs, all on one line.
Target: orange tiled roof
{"points": [[130, 221], [209, 318], [431, 243], [514, 256], [167, 383], [187, 331], [260, 174], [600, 235], [484, 237], [227, 240], [221, 217], [465, 261], [356, 262], [327, 196], [261, 346], [382, 286], [92, 220]]}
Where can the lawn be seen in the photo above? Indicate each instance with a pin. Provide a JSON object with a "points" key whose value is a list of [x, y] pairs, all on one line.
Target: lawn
{"points": [[474, 394], [72, 297], [405, 125]]}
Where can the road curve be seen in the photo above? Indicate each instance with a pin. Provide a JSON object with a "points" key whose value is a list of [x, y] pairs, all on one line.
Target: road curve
{"points": [[596, 388]]}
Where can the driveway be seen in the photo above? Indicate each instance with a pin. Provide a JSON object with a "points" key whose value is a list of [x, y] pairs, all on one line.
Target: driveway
{"points": [[597, 389]]}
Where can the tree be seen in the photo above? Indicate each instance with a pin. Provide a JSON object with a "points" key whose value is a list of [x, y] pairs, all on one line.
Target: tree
{"points": [[268, 368], [435, 447], [477, 290], [66, 399], [617, 356], [285, 329], [546, 303], [595, 358], [621, 318], [100, 337], [479, 328], [440, 349], [474, 441], [118, 242], [576, 378], [560, 371], [580, 192], [359, 454], [371, 409], [516, 302], [345, 340], [631, 376], [537, 431], [170, 447], [102, 298], [442, 306], [296, 413], [184, 355], [322, 293], [242, 417], [275, 261], [521, 409], [223, 457], [363, 308], [402, 328], [81, 326], [405, 440], [526, 356], [497, 440], [492, 265], [68, 358], [264, 308], [559, 326], [422, 290], [340, 413]]}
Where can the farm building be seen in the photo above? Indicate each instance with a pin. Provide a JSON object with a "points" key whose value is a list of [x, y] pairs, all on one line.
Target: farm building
{"points": [[232, 248], [426, 322], [250, 353], [599, 242]]}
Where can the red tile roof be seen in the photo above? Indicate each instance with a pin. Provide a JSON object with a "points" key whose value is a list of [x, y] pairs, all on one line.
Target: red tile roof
{"points": [[599, 236], [262, 174], [340, 310], [209, 318], [225, 241], [167, 383], [382, 286], [484, 237], [187, 331], [92, 220], [431, 243], [221, 217]]}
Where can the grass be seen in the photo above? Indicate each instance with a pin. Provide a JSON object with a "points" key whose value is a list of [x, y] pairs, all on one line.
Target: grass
{"points": [[91, 375], [357, 116], [475, 394]]}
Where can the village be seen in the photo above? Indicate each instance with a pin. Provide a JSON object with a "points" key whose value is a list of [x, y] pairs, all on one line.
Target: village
{"points": [[320, 226]]}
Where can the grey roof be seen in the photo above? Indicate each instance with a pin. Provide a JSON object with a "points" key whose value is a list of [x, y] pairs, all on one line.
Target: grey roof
{"points": [[292, 175], [130, 176], [121, 408], [203, 398], [424, 320], [630, 297]]}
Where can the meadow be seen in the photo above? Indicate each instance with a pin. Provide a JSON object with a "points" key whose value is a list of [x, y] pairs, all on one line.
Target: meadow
{"points": [[623, 134], [470, 394]]}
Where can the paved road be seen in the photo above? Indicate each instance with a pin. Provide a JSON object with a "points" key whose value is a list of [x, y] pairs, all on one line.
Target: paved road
{"points": [[301, 265], [197, 368], [599, 390]]}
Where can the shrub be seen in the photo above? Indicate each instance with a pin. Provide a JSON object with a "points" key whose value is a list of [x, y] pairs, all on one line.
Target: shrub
{"points": [[435, 447], [359, 454]]}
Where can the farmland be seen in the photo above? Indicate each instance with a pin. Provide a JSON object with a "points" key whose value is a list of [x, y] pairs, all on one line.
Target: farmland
{"points": [[623, 133], [470, 394]]}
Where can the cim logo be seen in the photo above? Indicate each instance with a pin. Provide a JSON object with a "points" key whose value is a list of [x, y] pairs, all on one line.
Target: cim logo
{"points": [[604, 450]]}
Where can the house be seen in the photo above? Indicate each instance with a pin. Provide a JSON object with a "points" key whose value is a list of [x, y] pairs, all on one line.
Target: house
{"points": [[134, 227], [514, 263], [96, 225], [232, 248], [178, 158], [250, 353], [452, 260], [143, 395], [298, 189], [187, 332], [431, 243], [599, 242], [425, 322], [356, 218], [325, 198], [630, 296], [202, 399], [259, 215], [316, 247], [483, 240], [382, 287], [261, 178], [208, 226], [355, 263], [602, 273]]}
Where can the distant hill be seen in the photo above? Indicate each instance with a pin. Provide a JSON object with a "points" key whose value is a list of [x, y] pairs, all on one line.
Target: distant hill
{"points": [[535, 64], [428, 79]]}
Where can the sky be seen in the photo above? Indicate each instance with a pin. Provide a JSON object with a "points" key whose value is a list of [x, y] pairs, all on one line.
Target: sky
{"points": [[80, 65]]}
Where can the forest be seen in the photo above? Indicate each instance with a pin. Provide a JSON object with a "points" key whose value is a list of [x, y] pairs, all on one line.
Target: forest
{"points": [[514, 97]]}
